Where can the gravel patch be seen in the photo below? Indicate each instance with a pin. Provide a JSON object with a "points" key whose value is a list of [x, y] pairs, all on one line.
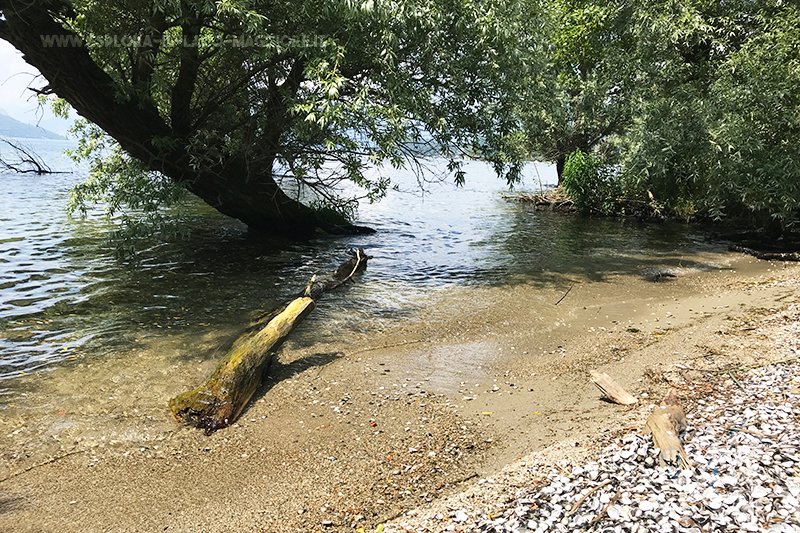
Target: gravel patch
{"points": [[744, 446]]}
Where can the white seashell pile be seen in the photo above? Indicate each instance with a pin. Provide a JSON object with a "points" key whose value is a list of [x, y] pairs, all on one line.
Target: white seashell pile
{"points": [[744, 448]]}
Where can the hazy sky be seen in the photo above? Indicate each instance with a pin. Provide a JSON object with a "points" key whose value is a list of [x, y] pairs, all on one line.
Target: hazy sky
{"points": [[16, 99]]}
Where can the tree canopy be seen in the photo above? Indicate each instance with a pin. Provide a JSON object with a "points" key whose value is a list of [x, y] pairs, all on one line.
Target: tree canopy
{"points": [[711, 123], [262, 108], [583, 86]]}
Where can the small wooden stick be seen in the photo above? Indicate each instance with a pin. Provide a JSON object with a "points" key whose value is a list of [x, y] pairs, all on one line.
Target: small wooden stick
{"points": [[565, 294], [604, 510], [735, 380], [756, 434], [591, 491], [611, 389], [43, 463]]}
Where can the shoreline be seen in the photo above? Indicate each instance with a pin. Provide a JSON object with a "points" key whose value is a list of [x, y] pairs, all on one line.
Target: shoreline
{"points": [[349, 434], [754, 241], [743, 455]]}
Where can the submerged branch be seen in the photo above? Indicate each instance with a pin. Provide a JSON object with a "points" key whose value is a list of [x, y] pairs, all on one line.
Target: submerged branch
{"points": [[27, 161]]}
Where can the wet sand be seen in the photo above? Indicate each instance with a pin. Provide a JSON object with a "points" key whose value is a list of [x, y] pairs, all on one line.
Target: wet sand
{"points": [[352, 432]]}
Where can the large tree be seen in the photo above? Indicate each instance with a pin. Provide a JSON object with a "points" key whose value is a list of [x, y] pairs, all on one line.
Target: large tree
{"points": [[700, 98], [261, 107], [582, 95]]}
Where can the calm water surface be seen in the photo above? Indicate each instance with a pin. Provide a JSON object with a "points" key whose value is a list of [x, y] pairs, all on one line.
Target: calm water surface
{"points": [[66, 294]]}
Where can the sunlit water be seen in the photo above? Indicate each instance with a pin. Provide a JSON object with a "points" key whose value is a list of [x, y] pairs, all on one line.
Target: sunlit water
{"points": [[65, 292]]}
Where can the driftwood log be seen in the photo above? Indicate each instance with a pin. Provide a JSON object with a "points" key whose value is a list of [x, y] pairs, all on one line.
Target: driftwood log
{"points": [[219, 401], [765, 255], [666, 423]]}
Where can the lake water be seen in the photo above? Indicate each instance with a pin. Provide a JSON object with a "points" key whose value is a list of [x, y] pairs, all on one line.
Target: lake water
{"points": [[66, 294]]}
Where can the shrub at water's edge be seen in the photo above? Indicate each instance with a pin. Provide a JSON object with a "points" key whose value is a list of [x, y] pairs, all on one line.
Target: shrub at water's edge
{"points": [[706, 111], [590, 184]]}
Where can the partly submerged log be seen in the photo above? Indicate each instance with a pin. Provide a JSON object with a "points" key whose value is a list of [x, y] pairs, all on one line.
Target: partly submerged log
{"points": [[611, 389], [218, 402], [666, 423]]}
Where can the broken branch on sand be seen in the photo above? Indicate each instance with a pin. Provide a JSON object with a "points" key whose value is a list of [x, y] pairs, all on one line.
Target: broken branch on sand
{"points": [[611, 389], [219, 401]]}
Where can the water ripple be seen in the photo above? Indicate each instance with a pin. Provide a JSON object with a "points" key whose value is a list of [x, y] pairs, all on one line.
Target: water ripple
{"points": [[64, 294]]}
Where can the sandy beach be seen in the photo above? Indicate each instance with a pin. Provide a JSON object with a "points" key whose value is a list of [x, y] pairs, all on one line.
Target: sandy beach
{"points": [[355, 432]]}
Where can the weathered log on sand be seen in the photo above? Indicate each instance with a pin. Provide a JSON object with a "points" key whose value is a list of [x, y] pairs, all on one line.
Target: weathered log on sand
{"points": [[666, 423], [611, 389], [219, 401], [765, 255]]}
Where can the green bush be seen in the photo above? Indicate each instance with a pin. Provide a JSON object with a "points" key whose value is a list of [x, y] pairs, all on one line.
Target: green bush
{"points": [[590, 183]]}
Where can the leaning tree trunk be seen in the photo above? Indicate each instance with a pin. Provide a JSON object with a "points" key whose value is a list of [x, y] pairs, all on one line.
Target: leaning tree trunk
{"points": [[561, 161], [133, 120], [251, 195], [219, 401]]}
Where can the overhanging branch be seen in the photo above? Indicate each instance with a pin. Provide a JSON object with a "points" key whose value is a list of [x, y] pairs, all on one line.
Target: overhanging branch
{"points": [[61, 57]]}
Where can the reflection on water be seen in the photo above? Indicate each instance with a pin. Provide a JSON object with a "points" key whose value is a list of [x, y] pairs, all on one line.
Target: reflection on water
{"points": [[64, 293]]}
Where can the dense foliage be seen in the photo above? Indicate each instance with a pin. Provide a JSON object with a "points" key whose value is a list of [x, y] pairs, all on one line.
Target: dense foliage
{"points": [[239, 95], [712, 129], [690, 107], [590, 183]]}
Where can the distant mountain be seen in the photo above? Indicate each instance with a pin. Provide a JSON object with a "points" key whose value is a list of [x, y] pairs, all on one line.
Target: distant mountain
{"points": [[11, 127]]}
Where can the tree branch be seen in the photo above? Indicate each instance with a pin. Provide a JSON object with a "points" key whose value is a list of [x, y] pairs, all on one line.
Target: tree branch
{"points": [[182, 91], [28, 163], [145, 58], [74, 76]]}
